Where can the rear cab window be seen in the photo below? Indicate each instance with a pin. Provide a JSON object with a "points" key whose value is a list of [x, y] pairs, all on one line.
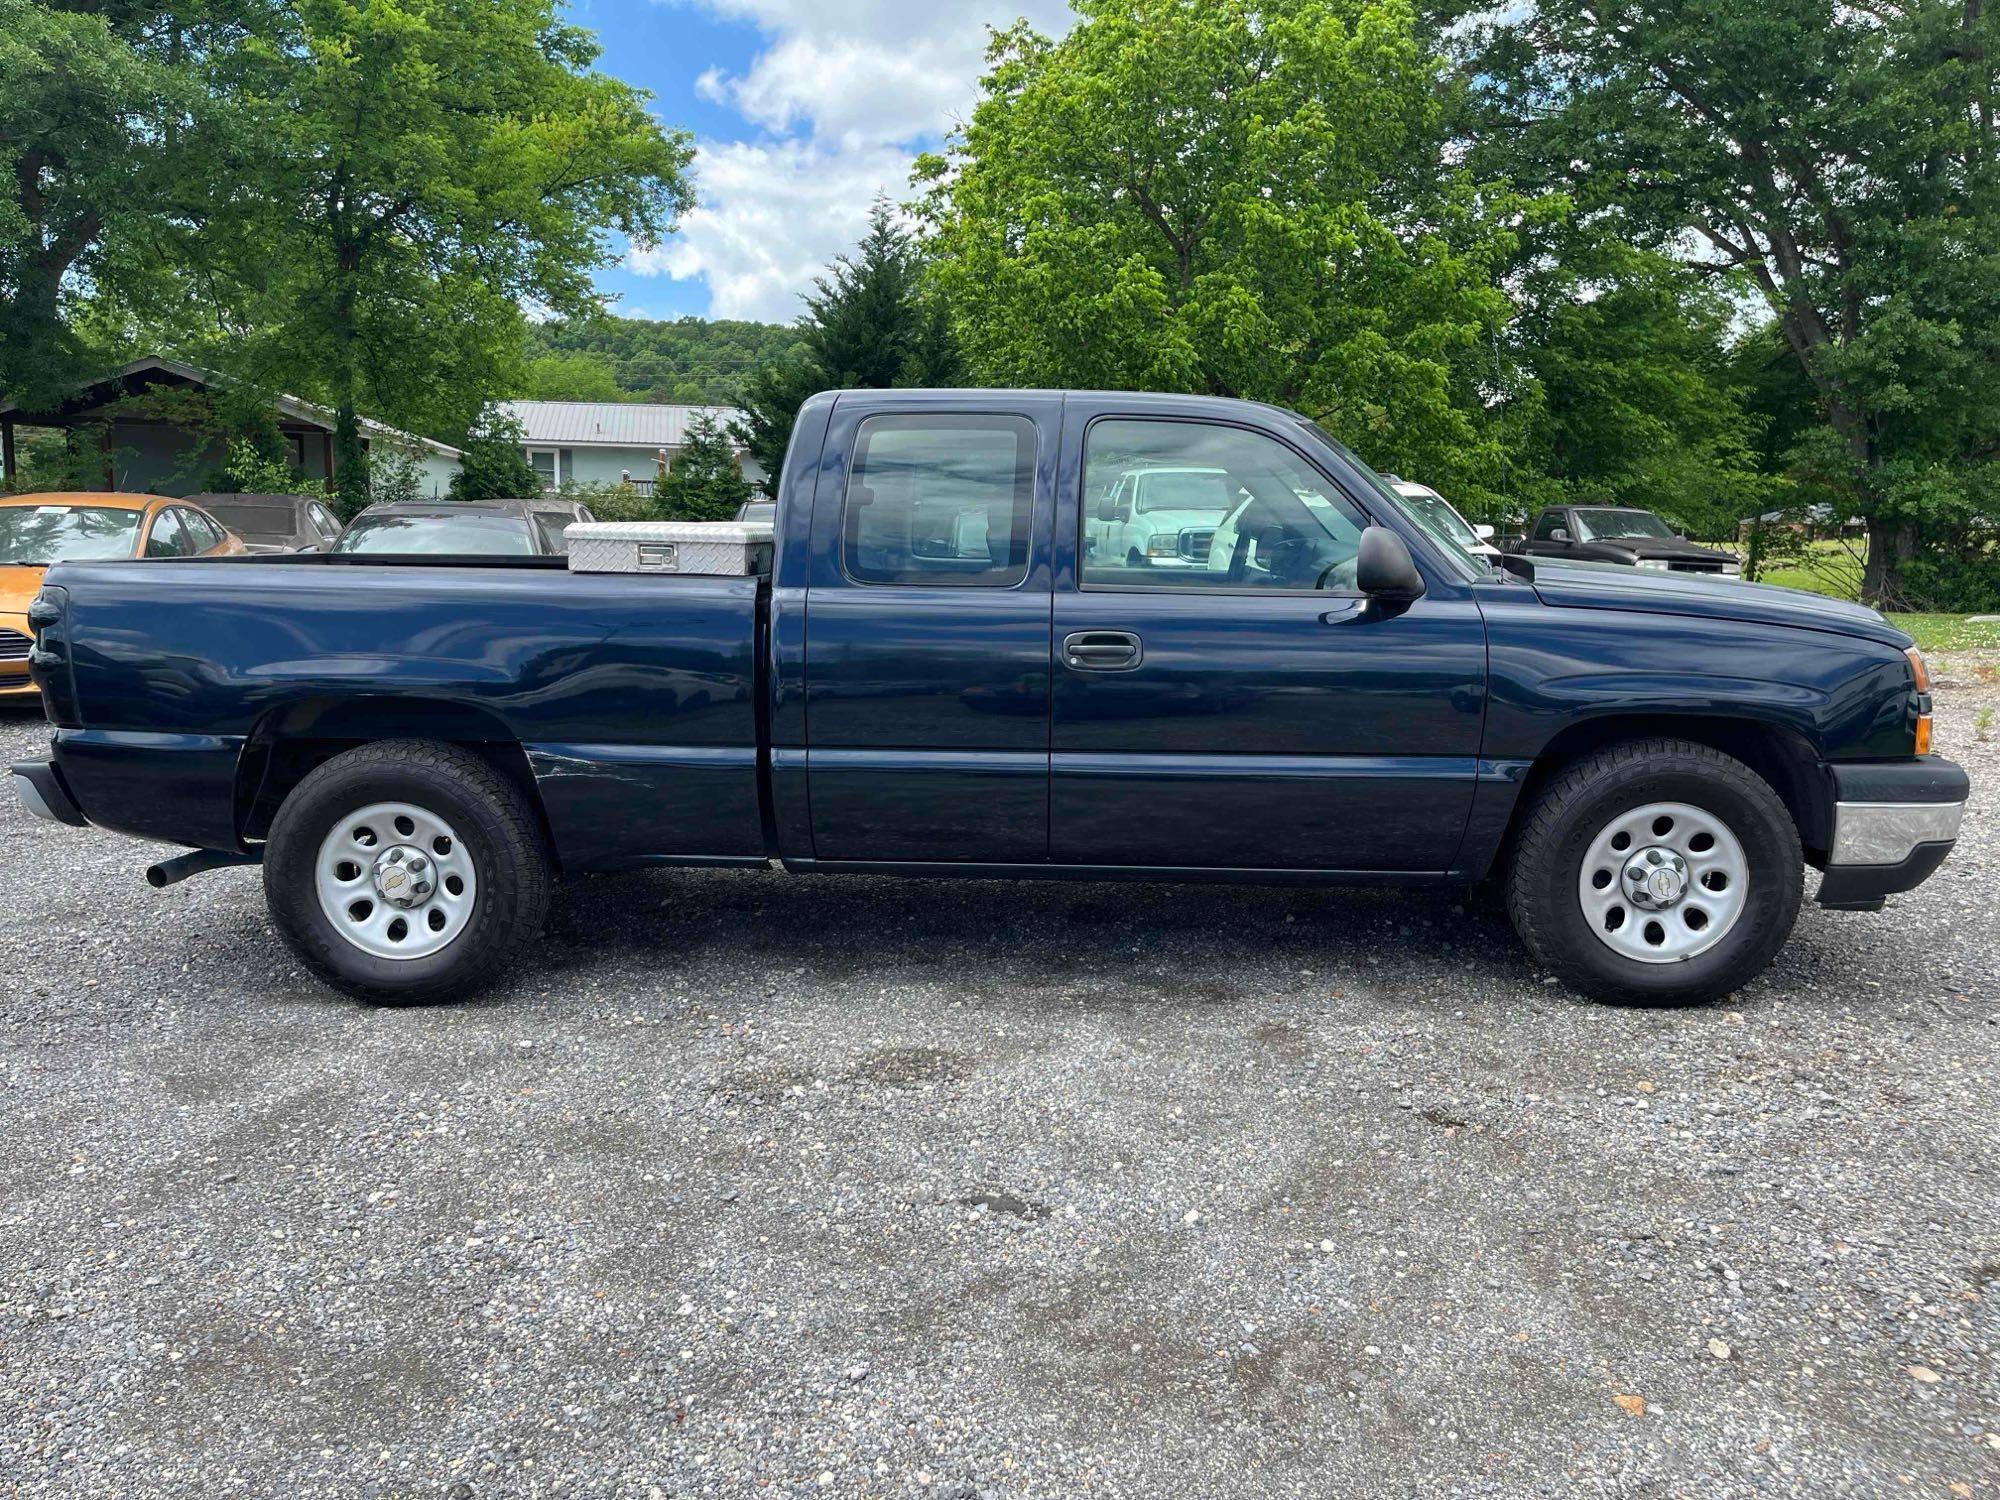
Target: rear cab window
{"points": [[939, 499]]}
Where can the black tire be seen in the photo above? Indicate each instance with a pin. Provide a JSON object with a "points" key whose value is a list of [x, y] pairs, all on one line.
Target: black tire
{"points": [[1568, 812], [497, 826]]}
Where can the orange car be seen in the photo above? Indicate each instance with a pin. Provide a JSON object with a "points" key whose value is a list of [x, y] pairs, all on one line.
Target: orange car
{"points": [[36, 530]]}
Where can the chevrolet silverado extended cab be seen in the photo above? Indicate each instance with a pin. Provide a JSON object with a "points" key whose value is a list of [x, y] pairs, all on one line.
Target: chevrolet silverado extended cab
{"points": [[935, 674]]}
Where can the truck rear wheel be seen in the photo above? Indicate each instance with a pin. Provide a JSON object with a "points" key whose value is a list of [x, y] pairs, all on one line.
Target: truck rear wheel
{"points": [[406, 871], [1657, 871]]}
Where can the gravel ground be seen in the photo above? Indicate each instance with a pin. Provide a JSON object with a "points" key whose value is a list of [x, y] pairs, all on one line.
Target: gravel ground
{"points": [[750, 1184]]}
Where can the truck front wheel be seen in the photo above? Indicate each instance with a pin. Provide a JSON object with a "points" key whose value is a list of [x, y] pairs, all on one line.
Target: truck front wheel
{"points": [[406, 871], [1656, 871]]}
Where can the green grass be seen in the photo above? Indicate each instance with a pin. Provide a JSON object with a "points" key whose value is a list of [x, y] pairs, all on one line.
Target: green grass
{"points": [[1948, 632], [1835, 572]]}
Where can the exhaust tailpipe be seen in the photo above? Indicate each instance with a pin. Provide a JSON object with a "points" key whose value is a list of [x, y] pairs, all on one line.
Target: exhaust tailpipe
{"points": [[169, 871]]}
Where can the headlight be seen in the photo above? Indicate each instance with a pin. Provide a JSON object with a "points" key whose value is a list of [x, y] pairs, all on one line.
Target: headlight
{"points": [[1732, 570], [1164, 546], [1651, 564]]}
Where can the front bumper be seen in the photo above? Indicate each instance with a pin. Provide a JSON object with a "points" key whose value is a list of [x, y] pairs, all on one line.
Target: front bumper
{"points": [[1893, 824]]}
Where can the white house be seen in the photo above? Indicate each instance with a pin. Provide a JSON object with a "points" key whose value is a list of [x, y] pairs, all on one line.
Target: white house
{"points": [[604, 442]]}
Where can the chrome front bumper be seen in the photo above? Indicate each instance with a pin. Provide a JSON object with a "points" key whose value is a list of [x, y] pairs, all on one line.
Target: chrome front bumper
{"points": [[1887, 833], [1893, 824]]}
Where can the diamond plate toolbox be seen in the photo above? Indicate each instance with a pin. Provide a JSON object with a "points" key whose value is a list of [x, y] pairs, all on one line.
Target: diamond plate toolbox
{"points": [[727, 549]]}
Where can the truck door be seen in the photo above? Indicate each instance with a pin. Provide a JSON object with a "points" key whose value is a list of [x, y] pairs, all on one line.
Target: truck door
{"points": [[1237, 703], [927, 629]]}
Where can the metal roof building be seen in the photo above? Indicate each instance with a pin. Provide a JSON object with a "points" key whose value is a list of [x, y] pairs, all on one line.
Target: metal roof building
{"points": [[610, 442]]}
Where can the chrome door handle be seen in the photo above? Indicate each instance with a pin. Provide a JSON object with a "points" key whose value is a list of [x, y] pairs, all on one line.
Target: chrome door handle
{"points": [[1101, 651]]}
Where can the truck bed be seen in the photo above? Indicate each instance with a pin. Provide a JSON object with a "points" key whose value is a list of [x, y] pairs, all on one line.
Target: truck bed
{"points": [[639, 694]]}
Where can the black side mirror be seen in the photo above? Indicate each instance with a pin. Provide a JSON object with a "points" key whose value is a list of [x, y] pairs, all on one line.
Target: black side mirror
{"points": [[1107, 510], [1384, 569]]}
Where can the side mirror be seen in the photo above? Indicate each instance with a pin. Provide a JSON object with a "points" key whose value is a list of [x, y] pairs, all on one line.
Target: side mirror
{"points": [[1107, 510], [1560, 534], [1483, 532], [1384, 570]]}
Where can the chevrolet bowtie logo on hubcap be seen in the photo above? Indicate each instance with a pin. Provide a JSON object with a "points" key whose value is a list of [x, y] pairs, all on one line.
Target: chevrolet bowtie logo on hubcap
{"points": [[1656, 879], [403, 877]]}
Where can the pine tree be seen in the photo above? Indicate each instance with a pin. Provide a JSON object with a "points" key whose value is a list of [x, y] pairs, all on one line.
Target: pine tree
{"points": [[492, 463], [871, 322], [705, 482]]}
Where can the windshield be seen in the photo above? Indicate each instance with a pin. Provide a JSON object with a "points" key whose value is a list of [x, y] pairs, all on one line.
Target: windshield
{"points": [[1608, 525], [439, 535], [1185, 489], [36, 535], [1433, 508], [1468, 565]]}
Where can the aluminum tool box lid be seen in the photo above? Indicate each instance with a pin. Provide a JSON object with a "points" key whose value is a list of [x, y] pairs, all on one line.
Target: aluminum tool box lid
{"points": [[729, 549]]}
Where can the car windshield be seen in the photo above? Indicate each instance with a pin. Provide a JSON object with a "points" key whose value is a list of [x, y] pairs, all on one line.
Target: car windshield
{"points": [[36, 535], [1432, 508], [1608, 525], [1468, 565], [1185, 489], [439, 535]]}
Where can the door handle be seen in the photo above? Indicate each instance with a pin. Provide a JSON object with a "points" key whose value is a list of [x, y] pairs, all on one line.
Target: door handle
{"points": [[1101, 651]]}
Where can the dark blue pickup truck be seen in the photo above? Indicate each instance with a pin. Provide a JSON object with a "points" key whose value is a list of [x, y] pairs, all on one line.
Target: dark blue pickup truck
{"points": [[1002, 634]]}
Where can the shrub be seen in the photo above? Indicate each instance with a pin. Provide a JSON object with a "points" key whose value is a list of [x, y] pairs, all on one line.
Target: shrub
{"points": [[1965, 584]]}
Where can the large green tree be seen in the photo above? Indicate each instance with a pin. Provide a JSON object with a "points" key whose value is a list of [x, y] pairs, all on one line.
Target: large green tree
{"points": [[117, 135], [874, 320], [1841, 161], [1252, 198], [431, 165], [1630, 393]]}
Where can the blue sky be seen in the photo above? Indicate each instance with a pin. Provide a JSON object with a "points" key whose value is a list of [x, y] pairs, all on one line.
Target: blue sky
{"points": [[802, 111]]}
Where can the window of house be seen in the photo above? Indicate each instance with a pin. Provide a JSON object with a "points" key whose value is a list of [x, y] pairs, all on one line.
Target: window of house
{"points": [[940, 499], [295, 451], [1197, 505], [544, 461]]}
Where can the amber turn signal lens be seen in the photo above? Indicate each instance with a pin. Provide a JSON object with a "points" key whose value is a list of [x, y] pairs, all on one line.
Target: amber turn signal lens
{"points": [[1919, 670], [1924, 734]]}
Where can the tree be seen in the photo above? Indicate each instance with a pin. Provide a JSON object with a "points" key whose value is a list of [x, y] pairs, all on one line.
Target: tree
{"points": [[874, 321], [1842, 162], [492, 463], [1635, 399], [693, 360], [705, 483], [1244, 197], [112, 129], [572, 375], [431, 165]]}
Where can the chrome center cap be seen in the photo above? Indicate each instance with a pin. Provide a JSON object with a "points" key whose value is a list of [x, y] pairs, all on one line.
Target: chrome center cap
{"points": [[1656, 878], [404, 876]]}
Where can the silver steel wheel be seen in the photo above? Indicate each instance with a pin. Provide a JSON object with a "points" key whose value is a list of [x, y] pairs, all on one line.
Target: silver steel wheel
{"points": [[395, 880], [1663, 883]]}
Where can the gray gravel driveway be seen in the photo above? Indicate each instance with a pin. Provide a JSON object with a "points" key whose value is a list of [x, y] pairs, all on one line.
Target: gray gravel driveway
{"points": [[749, 1185]]}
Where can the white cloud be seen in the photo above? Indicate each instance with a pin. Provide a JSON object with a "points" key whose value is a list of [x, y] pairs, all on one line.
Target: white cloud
{"points": [[838, 102], [771, 217]]}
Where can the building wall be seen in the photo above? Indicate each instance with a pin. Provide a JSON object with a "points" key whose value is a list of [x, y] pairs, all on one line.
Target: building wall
{"points": [[156, 459], [585, 466], [151, 458]]}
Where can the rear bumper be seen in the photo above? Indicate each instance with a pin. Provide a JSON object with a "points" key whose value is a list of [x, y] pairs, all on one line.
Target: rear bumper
{"points": [[1893, 824], [40, 787]]}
